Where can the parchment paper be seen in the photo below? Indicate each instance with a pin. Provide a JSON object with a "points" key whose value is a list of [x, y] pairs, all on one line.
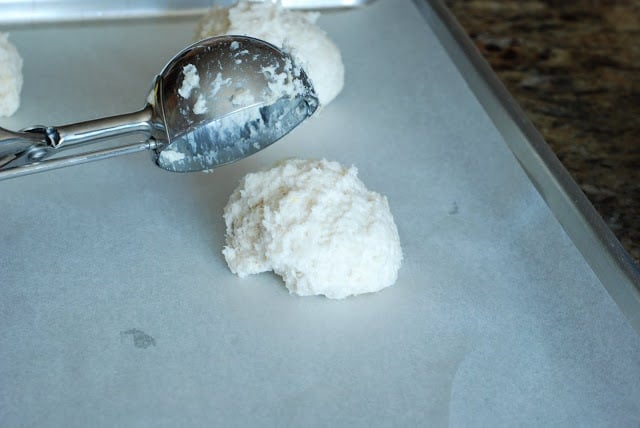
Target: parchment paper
{"points": [[117, 308]]}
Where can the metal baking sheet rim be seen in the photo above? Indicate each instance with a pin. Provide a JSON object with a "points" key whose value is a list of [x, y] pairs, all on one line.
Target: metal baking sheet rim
{"points": [[598, 245], [25, 12]]}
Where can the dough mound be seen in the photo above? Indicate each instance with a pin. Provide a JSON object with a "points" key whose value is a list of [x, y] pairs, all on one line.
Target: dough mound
{"points": [[10, 76], [294, 32], [314, 223]]}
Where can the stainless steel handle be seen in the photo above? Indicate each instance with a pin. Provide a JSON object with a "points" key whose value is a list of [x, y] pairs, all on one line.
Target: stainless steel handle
{"points": [[62, 162], [17, 143], [99, 129], [25, 152]]}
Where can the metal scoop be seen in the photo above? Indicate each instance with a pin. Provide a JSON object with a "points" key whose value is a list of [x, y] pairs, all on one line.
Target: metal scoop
{"points": [[217, 101]]}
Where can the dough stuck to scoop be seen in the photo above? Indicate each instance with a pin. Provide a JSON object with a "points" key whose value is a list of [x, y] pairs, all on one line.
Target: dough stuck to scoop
{"points": [[10, 76], [294, 32], [314, 223]]}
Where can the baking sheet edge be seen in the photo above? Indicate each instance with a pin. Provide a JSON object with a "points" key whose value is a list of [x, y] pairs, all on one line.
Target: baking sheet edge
{"points": [[585, 227]]}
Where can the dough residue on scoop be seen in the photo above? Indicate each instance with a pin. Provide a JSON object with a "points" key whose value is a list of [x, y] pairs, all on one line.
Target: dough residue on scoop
{"points": [[10, 76], [291, 31], [314, 223]]}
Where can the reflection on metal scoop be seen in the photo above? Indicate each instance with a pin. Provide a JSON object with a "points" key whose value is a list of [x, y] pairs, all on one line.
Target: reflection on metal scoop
{"points": [[217, 101]]}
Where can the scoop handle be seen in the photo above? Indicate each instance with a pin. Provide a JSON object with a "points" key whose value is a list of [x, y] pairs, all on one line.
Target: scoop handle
{"points": [[25, 152], [15, 143], [75, 134], [62, 162]]}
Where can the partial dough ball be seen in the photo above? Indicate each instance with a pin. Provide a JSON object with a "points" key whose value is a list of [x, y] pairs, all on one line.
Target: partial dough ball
{"points": [[314, 223], [294, 32], [10, 76]]}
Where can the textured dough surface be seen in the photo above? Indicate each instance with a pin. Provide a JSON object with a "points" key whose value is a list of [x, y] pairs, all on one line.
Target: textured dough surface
{"points": [[294, 32], [10, 76], [314, 223]]}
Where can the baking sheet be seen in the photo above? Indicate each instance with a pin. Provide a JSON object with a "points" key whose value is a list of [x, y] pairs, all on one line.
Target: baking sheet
{"points": [[118, 310]]}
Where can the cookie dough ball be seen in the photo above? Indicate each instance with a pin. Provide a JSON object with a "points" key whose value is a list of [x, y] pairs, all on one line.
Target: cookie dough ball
{"points": [[314, 223], [10, 76], [294, 32]]}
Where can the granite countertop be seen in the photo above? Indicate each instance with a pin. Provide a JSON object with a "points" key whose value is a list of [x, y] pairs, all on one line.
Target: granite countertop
{"points": [[574, 67]]}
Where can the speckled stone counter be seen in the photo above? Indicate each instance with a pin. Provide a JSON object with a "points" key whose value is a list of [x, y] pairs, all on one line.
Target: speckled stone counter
{"points": [[574, 67]]}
